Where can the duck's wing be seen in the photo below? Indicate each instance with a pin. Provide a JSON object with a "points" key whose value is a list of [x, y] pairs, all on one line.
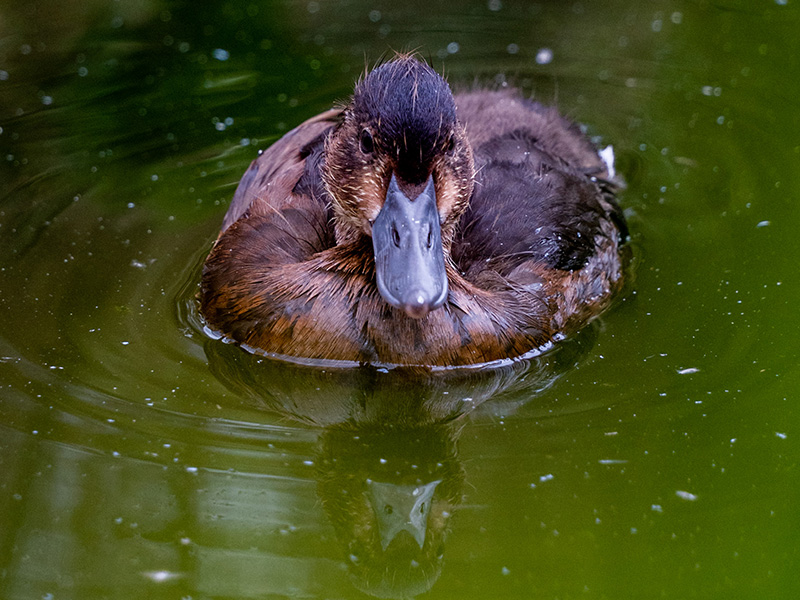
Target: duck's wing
{"points": [[270, 182], [541, 193]]}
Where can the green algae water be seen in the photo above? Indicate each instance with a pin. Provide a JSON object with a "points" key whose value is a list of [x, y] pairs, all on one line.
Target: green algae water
{"points": [[653, 456]]}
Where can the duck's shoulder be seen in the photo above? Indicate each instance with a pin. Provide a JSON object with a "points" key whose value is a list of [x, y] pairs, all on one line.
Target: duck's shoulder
{"points": [[287, 169]]}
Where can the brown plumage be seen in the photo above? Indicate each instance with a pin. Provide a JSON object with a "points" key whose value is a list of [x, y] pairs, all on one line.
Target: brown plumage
{"points": [[526, 224]]}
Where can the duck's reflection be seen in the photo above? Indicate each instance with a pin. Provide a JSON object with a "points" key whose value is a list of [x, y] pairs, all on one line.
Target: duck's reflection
{"points": [[389, 494], [388, 472]]}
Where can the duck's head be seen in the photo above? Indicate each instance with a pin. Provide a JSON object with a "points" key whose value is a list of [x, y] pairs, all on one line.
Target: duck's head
{"points": [[399, 169]]}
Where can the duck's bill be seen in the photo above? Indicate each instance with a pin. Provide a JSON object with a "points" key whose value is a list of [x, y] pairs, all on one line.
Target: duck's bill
{"points": [[409, 260]]}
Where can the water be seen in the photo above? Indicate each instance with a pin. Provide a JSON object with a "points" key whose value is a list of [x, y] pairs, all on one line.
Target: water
{"points": [[655, 455]]}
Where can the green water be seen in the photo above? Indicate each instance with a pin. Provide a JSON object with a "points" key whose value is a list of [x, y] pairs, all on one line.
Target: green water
{"points": [[654, 456]]}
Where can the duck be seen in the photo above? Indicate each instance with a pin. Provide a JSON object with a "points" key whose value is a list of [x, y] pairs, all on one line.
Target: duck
{"points": [[415, 226]]}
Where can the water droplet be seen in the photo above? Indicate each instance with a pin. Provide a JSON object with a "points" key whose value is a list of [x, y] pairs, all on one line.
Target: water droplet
{"points": [[544, 56]]}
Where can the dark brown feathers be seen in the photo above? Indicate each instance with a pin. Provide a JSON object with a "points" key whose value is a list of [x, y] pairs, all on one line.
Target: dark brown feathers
{"points": [[530, 228]]}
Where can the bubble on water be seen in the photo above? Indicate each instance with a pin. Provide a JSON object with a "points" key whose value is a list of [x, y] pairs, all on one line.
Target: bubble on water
{"points": [[544, 56], [453, 47], [512, 48], [220, 54]]}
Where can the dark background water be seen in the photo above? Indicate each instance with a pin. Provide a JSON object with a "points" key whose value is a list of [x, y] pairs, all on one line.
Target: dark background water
{"points": [[655, 456]]}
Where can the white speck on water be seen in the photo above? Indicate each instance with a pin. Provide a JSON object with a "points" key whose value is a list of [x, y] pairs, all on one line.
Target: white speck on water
{"points": [[612, 461], [505, 571], [308, 463], [656, 508], [383, 461], [688, 496], [220, 54], [191, 469], [763, 224], [688, 371], [125, 343], [548, 477], [780, 435], [544, 56], [47, 100], [512, 48], [161, 576]]}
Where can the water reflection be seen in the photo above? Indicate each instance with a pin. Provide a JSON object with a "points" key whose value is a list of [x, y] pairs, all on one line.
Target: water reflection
{"points": [[389, 493], [388, 472]]}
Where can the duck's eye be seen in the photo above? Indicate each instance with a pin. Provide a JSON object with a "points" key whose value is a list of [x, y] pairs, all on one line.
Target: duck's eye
{"points": [[367, 144]]}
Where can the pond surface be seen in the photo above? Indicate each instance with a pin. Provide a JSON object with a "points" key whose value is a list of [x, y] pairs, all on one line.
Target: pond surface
{"points": [[653, 456]]}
